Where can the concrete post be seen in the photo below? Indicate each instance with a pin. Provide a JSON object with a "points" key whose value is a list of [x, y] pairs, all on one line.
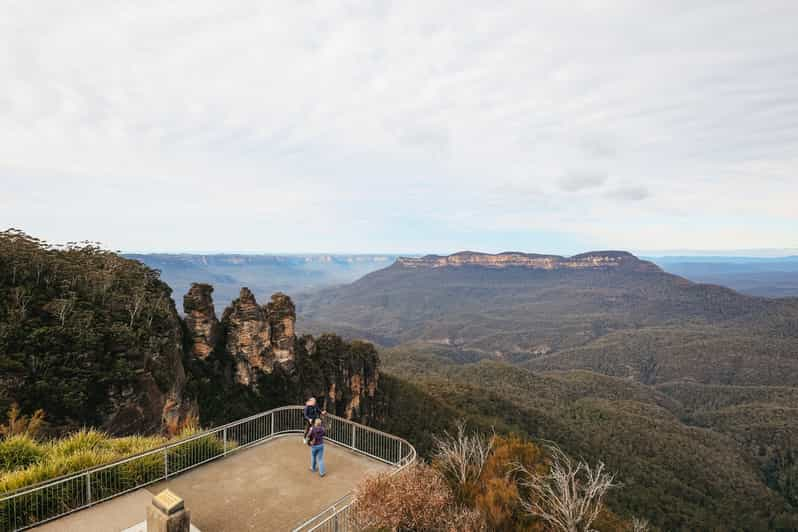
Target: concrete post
{"points": [[168, 513]]}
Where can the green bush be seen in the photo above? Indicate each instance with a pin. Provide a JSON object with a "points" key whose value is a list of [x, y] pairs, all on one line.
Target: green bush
{"points": [[19, 451], [195, 451]]}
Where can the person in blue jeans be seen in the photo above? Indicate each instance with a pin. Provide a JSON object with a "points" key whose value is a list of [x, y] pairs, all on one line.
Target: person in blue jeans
{"points": [[316, 442]]}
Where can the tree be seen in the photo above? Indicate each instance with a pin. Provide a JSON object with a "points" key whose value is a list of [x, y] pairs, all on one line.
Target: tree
{"points": [[569, 496], [462, 456]]}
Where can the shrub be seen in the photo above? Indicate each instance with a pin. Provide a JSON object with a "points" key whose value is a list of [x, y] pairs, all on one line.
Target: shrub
{"points": [[19, 451], [418, 498], [19, 425], [498, 492], [83, 440], [461, 457]]}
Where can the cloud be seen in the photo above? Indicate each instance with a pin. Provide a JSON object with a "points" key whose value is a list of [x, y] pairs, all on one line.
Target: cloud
{"points": [[576, 181], [633, 193], [321, 126]]}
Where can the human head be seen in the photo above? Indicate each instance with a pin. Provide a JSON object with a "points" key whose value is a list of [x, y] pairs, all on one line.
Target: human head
{"points": [[317, 422], [311, 401]]}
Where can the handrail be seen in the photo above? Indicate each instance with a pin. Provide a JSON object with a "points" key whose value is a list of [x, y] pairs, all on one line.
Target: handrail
{"points": [[336, 516], [45, 501]]}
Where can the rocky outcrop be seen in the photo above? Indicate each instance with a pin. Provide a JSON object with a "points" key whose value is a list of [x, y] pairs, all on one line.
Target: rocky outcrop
{"points": [[343, 376], [592, 260], [258, 339], [201, 324], [248, 338], [257, 348], [281, 314]]}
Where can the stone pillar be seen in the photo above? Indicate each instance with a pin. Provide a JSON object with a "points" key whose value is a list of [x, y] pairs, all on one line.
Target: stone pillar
{"points": [[167, 513]]}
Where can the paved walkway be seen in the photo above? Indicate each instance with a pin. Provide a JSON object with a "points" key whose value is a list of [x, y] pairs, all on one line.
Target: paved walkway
{"points": [[267, 487]]}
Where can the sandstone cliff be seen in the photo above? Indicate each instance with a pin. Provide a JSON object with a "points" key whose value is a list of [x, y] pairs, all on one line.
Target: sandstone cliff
{"points": [[256, 361], [590, 260], [200, 318], [343, 376]]}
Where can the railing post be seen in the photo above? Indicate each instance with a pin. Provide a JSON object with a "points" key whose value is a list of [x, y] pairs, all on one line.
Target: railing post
{"points": [[272, 415], [88, 487], [224, 452], [354, 432], [166, 462]]}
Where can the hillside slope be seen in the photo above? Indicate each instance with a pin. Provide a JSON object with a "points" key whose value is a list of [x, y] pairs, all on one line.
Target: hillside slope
{"points": [[563, 317], [681, 466]]}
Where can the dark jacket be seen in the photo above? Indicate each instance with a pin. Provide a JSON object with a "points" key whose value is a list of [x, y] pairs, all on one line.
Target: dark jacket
{"points": [[316, 436], [312, 412]]}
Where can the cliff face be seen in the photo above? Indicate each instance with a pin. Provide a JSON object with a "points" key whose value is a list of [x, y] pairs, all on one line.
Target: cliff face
{"points": [[590, 260], [255, 349], [343, 376], [155, 401]]}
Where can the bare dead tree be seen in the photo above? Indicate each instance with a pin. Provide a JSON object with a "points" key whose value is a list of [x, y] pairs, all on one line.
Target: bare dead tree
{"points": [[139, 296], [40, 265], [154, 309], [640, 525], [569, 496], [64, 307], [135, 304], [462, 455], [22, 298]]}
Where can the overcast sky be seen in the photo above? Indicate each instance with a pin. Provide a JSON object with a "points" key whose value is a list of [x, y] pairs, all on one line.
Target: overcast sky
{"points": [[400, 126]]}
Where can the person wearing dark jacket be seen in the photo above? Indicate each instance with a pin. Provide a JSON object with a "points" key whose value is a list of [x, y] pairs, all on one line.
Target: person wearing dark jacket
{"points": [[316, 438], [311, 413]]}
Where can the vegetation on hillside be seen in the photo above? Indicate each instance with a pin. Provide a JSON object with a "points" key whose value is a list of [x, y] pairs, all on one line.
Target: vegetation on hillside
{"points": [[78, 325], [678, 476]]}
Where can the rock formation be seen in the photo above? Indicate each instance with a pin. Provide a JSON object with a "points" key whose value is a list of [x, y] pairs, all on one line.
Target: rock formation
{"points": [[201, 323], [248, 335], [257, 347], [281, 314], [590, 260], [343, 376]]}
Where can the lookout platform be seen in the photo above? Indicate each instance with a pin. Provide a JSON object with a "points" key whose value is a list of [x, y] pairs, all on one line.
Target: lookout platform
{"points": [[265, 487]]}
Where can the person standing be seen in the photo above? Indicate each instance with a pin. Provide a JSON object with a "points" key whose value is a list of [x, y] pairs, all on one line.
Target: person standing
{"points": [[316, 442], [311, 413]]}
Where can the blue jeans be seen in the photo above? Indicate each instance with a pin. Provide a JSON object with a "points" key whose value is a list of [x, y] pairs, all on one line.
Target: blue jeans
{"points": [[317, 457]]}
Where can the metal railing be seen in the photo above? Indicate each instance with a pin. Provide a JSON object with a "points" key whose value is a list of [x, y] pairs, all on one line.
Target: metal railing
{"points": [[379, 445], [36, 504]]}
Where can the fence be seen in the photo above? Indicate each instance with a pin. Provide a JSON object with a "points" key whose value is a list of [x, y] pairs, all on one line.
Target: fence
{"points": [[365, 440], [33, 505]]}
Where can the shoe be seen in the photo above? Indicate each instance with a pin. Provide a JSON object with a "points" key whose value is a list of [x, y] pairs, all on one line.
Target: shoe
{"points": [[322, 476]]}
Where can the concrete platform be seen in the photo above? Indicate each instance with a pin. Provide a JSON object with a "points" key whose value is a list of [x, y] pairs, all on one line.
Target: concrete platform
{"points": [[267, 487]]}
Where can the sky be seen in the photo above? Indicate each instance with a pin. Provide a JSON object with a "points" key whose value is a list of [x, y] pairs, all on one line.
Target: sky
{"points": [[402, 127]]}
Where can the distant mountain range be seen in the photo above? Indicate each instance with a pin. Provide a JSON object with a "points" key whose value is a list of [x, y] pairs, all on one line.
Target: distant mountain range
{"points": [[262, 274], [552, 312], [768, 277], [687, 390], [266, 274]]}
